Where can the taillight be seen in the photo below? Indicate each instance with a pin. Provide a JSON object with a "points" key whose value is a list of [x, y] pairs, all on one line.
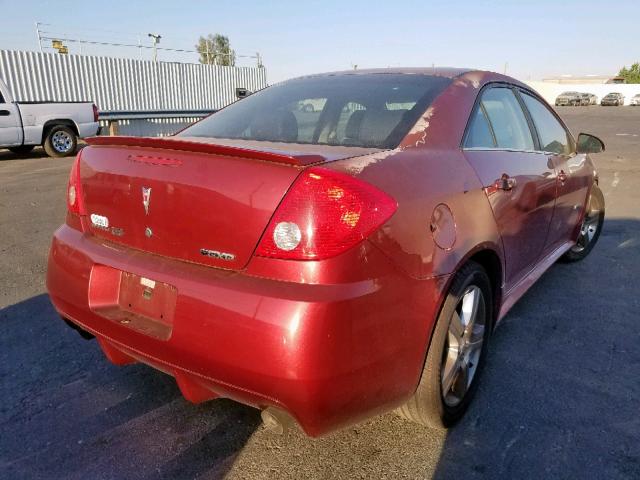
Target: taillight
{"points": [[95, 112], [75, 204], [323, 214]]}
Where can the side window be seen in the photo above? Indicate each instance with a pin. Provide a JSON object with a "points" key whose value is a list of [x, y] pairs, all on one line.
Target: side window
{"points": [[553, 137], [509, 123], [1, 98], [480, 135], [349, 123], [307, 112]]}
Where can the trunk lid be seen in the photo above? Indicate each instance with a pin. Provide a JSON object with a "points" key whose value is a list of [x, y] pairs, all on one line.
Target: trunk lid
{"points": [[195, 201]]}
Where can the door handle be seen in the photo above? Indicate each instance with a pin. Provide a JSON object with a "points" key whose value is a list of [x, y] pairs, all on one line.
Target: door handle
{"points": [[562, 176], [505, 182], [4, 113]]}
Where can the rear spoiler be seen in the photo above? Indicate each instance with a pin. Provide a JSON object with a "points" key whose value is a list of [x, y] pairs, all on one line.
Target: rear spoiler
{"points": [[208, 148]]}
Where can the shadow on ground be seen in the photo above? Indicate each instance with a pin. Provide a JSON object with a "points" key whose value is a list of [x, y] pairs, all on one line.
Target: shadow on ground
{"points": [[67, 413], [559, 398], [37, 152]]}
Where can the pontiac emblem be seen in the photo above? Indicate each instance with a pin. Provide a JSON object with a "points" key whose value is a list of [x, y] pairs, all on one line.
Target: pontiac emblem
{"points": [[146, 198]]}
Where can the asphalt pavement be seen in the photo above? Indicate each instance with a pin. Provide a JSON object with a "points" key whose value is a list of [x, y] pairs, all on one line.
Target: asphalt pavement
{"points": [[560, 397]]}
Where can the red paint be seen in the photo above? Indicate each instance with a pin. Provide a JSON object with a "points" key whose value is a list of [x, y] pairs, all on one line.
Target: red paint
{"points": [[171, 143], [331, 341]]}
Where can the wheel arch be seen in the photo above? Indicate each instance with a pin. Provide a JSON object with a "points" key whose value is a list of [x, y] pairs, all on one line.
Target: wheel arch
{"points": [[489, 256], [49, 124], [489, 259]]}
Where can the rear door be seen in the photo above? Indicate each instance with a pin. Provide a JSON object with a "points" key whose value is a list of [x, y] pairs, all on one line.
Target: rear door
{"points": [[519, 181], [574, 174], [10, 124]]}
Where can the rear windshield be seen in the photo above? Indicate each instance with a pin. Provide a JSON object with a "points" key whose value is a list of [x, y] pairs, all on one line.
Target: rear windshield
{"points": [[360, 110]]}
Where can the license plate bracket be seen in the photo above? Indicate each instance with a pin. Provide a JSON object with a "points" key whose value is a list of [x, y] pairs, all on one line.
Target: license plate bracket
{"points": [[138, 302]]}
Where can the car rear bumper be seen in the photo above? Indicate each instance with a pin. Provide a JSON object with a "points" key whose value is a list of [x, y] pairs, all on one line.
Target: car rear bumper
{"points": [[328, 354]]}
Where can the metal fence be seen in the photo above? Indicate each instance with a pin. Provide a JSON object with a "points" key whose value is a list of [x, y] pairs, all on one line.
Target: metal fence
{"points": [[121, 84]]}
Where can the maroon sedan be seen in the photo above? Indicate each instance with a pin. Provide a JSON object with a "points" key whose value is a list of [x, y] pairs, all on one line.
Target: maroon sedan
{"points": [[329, 248]]}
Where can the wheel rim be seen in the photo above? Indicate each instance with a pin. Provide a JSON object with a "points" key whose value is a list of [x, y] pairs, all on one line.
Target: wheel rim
{"points": [[589, 227], [61, 141], [463, 347]]}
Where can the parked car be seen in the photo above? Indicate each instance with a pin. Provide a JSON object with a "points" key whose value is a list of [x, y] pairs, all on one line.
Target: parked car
{"points": [[330, 272], [591, 98], [571, 99], [635, 100], [612, 99], [54, 125]]}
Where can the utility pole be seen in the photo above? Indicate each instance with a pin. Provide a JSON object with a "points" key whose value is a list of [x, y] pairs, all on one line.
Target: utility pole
{"points": [[156, 40], [39, 36]]}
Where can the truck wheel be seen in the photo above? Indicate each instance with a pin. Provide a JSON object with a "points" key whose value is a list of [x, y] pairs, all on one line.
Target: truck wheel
{"points": [[61, 141], [22, 149], [457, 351]]}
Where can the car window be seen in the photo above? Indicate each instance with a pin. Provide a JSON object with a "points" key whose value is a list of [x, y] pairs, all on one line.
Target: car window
{"points": [[349, 123], [507, 119], [480, 135], [553, 137], [322, 110], [307, 113], [1, 98]]}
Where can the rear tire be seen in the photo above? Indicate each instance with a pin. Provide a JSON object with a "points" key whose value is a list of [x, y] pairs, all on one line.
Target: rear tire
{"points": [[590, 229], [22, 149], [445, 390], [61, 141]]}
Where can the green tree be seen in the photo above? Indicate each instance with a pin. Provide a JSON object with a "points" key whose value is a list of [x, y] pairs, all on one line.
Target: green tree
{"points": [[631, 74], [216, 50]]}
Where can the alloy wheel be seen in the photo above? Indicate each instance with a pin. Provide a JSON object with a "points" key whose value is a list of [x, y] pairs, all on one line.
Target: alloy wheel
{"points": [[590, 225], [463, 347]]}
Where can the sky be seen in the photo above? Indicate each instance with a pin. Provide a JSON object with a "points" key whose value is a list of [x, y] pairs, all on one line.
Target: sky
{"points": [[531, 39]]}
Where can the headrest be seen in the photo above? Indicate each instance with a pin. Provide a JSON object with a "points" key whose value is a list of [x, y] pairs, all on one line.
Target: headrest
{"points": [[278, 126]]}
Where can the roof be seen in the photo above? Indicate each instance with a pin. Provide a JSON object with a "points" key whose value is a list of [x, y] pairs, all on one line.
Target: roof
{"points": [[447, 72]]}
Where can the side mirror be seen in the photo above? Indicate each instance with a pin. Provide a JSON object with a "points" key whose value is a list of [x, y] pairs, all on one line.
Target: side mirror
{"points": [[589, 144], [242, 93]]}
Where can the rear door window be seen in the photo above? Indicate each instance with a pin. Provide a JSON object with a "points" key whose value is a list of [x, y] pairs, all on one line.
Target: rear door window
{"points": [[552, 135], [480, 135], [507, 119]]}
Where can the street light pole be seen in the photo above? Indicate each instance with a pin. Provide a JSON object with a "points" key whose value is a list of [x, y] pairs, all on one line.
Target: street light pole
{"points": [[156, 40]]}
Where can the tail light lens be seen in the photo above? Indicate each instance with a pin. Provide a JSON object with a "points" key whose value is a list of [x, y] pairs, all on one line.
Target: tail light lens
{"points": [[95, 112], [323, 214], [75, 205]]}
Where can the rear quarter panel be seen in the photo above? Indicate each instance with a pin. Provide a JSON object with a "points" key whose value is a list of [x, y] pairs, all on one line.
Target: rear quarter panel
{"points": [[426, 170]]}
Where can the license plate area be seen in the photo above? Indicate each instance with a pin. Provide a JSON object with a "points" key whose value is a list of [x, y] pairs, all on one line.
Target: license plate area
{"points": [[140, 303]]}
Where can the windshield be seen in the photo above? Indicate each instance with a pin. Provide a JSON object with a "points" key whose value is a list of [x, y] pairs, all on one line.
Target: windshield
{"points": [[361, 110]]}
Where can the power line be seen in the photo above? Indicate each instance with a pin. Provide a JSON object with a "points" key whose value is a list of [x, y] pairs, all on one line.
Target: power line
{"points": [[46, 35]]}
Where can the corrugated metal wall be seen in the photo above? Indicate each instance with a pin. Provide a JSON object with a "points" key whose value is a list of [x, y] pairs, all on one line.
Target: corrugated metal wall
{"points": [[122, 84]]}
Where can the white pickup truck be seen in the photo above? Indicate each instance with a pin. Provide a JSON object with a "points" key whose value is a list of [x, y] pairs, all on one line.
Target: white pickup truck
{"points": [[54, 125]]}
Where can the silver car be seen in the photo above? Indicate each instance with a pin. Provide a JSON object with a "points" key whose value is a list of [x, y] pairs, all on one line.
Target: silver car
{"points": [[569, 99], [612, 99]]}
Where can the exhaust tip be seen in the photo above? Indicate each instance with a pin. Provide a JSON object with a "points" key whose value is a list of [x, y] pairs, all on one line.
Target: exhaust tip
{"points": [[276, 421]]}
